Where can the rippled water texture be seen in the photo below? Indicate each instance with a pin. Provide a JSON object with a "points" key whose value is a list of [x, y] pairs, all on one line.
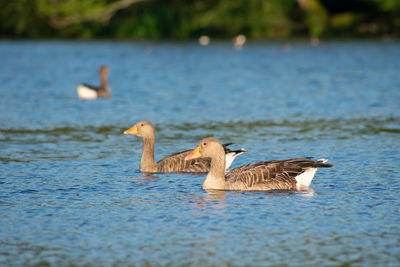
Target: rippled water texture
{"points": [[71, 192]]}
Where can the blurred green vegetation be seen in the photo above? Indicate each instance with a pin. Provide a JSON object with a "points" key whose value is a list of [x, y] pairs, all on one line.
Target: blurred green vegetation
{"points": [[182, 19]]}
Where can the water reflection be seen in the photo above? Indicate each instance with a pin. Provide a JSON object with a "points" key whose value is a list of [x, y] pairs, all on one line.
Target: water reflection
{"points": [[216, 197], [308, 192], [143, 178], [150, 176]]}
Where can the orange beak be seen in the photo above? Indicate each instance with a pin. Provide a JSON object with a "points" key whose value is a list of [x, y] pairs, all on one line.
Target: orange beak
{"points": [[195, 154], [132, 130]]}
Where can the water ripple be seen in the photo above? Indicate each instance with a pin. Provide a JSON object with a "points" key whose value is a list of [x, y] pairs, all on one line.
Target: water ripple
{"points": [[71, 193]]}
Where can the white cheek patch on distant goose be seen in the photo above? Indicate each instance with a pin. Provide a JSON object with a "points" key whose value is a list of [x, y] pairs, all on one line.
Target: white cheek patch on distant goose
{"points": [[86, 93]]}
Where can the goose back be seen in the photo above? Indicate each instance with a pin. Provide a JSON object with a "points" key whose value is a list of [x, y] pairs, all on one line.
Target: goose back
{"points": [[176, 162], [271, 175]]}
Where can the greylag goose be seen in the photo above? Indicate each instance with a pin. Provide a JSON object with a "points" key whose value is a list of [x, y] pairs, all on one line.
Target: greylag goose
{"points": [[86, 91], [175, 162], [287, 174]]}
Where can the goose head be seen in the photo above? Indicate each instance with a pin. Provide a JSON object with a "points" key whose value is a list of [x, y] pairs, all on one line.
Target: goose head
{"points": [[208, 148], [103, 70], [143, 129]]}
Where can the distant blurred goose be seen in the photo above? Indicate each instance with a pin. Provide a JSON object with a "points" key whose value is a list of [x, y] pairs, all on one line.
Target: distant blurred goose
{"points": [[287, 174], [86, 91], [175, 162]]}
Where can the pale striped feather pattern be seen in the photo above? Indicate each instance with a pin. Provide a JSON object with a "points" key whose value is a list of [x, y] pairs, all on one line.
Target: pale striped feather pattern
{"points": [[177, 163], [270, 175]]}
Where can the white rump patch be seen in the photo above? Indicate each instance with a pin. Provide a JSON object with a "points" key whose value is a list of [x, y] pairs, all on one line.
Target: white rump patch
{"points": [[230, 157], [304, 179], [86, 93]]}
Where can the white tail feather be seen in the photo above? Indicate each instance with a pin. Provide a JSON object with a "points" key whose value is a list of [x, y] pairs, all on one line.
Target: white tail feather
{"points": [[230, 157], [304, 180], [86, 93]]}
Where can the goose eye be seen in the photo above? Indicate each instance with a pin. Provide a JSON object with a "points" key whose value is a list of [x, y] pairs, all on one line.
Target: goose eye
{"points": [[204, 144], [141, 124]]}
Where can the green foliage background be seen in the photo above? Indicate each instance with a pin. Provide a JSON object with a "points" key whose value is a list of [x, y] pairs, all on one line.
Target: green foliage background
{"points": [[178, 19]]}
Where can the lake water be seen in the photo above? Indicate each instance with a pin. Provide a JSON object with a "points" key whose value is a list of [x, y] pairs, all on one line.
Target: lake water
{"points": [[71, 192]]}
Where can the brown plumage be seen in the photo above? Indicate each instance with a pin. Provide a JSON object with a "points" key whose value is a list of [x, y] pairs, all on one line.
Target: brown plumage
{"points": [[86, 91], [175, 162], [287, 174]]}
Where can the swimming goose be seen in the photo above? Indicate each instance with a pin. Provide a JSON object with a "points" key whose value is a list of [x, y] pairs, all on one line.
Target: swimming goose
{"points": [[287, 174], [86, 91], [175, 162]]}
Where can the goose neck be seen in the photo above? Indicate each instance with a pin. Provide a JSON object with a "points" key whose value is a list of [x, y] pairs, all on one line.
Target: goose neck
{"points": [[147, 162], [216, 176]]}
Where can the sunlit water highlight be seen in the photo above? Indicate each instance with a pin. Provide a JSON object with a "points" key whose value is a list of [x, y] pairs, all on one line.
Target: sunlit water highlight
{"points": [[71, 192]]}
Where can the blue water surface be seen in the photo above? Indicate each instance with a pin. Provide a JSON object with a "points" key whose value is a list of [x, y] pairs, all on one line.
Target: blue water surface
{"points": [[71, 193]]}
